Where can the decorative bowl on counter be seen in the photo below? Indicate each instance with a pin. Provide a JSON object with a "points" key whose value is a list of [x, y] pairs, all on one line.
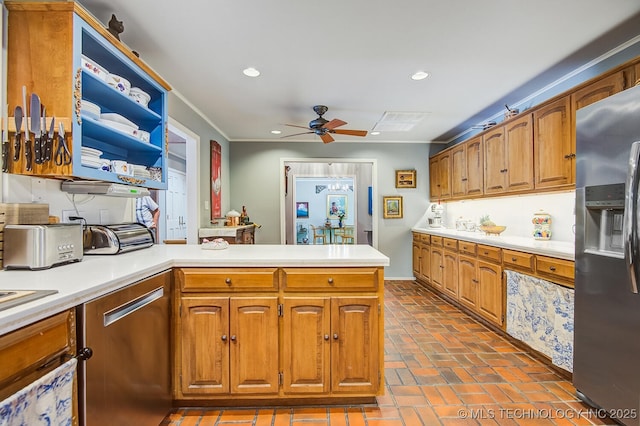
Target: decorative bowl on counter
{"points": [[492, 230]]}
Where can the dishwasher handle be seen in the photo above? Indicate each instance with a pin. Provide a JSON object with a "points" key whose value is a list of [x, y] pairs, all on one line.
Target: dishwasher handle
{"points": [[131, 306]]}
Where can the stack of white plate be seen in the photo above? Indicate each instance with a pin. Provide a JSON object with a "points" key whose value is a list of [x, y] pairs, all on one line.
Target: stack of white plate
{"points": [[140, 171], [118, 122], [91, 158], [89, 109]]}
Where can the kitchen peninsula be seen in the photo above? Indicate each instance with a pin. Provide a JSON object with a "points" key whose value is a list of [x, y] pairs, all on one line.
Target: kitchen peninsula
{"points": [[311, 304]]}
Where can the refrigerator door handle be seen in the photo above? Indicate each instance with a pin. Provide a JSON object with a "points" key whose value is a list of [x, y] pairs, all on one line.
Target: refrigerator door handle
{"points": [[630, 230]]}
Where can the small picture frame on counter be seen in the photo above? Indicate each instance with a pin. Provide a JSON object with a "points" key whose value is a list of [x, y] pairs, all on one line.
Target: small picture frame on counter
{"points": [[405, 178], [392, 207]]}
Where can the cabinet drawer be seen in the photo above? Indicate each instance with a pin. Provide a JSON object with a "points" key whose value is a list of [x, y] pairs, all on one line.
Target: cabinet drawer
{"points": [[436, 241], [467, 247], [323, 279], [227, 279], [24, 352], [490, 252], [560, 269], [416, 237], [450, 243], [425, 239], [518, 260]]}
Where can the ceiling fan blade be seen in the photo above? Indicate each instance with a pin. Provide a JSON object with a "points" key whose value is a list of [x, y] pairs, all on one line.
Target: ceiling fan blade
{"points": [[334, 123], [295, 125], [326, 138], [295, 134], [350, 132]]}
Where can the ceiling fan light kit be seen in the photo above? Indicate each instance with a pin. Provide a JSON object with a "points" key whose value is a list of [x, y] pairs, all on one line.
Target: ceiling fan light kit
{"points": [[323, 127]]}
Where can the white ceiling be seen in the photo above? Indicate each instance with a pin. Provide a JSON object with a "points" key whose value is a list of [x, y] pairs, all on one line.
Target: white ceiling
{"points": [[356, 57]]}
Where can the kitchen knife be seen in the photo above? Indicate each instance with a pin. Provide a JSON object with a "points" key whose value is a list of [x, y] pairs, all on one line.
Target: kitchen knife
{"points": [[27, 143], [5, 141], [47, 156], [17, 142], [35, 127]]}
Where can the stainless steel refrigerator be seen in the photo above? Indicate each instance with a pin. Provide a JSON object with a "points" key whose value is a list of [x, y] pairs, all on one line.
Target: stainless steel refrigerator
{"points": [[606, 367]]}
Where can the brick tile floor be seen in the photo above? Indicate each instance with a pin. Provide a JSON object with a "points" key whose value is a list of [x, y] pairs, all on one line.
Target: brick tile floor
{"points": [[442, 367]]}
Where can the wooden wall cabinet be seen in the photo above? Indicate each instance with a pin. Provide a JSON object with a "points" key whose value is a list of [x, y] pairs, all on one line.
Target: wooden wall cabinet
{"points": [[475, 167], [46, 43], [555, 149], [440, 176]]}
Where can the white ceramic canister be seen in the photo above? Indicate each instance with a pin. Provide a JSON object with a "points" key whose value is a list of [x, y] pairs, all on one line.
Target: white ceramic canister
{"points": [[541, 225]]}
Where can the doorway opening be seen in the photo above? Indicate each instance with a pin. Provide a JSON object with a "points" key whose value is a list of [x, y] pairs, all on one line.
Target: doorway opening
{"points": [[311, 187], [179, 204]]}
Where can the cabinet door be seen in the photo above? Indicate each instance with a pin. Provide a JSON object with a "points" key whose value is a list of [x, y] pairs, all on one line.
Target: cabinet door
{"points": [[204, 340], [494, 166], [459, 171], [468, 281], [598, 90], [437, 267], [416, 260], [425, 262], [434, 179], [450, 276], [490, 292], [444, 168], [518, 138], [306, 345], [253, 335], [475, 167], [354, 346], [554, 149]]}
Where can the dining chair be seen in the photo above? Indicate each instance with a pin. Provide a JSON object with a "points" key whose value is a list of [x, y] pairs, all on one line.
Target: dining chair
{"points": [[319, 233], [346, 235]]}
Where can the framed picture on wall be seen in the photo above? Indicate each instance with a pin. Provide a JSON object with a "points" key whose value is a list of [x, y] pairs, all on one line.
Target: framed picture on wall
{"points": [[392, 207], [216, 183], [336, 206], [405, 178], [302, 209]]}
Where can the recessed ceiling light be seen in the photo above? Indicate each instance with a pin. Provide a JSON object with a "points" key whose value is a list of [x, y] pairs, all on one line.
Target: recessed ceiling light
{"points": [[251, 72], [276, 132], [374, 133], [420, 75]]}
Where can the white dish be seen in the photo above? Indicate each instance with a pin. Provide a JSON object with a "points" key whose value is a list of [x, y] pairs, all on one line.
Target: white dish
{"points": [[111, 116], [121, 84], [89, 114], [94, 68], [142, 135], [89, 106], [119, 126], [91, 162], [139, 96], [90, 152], [217, 244]]}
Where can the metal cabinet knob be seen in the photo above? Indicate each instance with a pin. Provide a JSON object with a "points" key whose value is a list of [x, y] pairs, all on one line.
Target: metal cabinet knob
{"points": [[335, 336], [552, 268], [326, 337], [330, 280], [224, 337], [227, 280], [233, 337], [513, 259]]}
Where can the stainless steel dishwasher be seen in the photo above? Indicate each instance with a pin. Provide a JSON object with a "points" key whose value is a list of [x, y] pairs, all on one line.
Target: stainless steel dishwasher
{"points": [[127, 381]]}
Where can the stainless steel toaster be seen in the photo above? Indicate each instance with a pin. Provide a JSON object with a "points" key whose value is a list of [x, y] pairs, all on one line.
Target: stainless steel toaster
{"points": [[41, 246], [115, 239]]}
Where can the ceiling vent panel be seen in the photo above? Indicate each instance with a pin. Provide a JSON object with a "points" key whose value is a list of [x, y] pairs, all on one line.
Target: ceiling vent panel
{"points": [[393, 121]]}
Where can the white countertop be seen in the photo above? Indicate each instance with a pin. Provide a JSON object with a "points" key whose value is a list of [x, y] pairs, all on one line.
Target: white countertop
{"points": [[557, 249], [221, 231], [95, 276]]}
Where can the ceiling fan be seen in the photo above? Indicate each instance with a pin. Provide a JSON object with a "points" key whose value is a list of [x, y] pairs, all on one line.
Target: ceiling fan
{"points": [[323, 128]]}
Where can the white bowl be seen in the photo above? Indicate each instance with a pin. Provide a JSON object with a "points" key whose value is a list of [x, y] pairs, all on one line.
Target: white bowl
{"points": [[124, 128], [121, 84], [118, 166], [94, 68], [111, 116], [139, 96], [142, 135], [90, 152]]}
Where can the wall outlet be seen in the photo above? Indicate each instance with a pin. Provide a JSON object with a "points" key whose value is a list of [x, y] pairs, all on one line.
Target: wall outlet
{"points": [[67, 213], [38, 190]]}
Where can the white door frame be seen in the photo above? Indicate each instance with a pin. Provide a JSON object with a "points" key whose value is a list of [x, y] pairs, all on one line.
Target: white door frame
{"points": [[193, 185], [374, 191]]}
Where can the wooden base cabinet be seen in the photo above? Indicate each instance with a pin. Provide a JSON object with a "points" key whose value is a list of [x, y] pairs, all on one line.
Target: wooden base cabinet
{"points": [[491, 292], [227, 345], [272, 335]]}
